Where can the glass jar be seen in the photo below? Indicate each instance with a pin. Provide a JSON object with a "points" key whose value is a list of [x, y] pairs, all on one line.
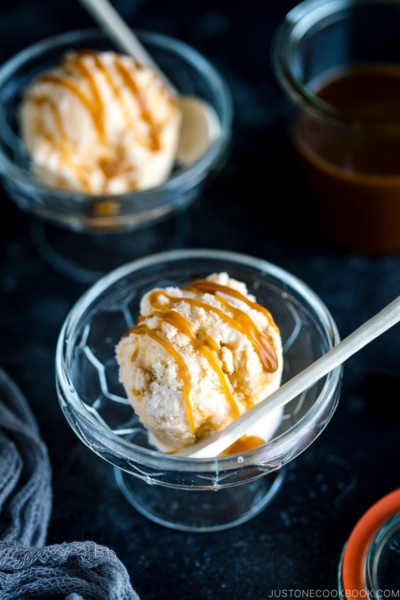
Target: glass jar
{"points": [[370, 562], [338, 63]]}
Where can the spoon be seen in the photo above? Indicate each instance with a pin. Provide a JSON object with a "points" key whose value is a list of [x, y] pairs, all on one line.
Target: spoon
{"points": [[200, 124], [212, 445]]}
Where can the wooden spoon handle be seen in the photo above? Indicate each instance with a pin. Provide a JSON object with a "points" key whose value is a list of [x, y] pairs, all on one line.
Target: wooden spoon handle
{"points": [[370, 330], [113, 25]]}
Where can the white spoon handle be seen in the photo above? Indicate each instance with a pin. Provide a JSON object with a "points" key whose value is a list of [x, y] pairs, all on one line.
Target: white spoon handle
{"points": [[111, 22], [370, 330]]}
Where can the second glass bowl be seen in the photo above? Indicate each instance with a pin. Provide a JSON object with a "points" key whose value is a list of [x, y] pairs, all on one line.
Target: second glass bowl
{"points": [[107, 215], [173, 491]]}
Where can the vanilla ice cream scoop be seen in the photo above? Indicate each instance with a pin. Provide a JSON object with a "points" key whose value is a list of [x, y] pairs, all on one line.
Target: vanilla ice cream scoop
{"points": [[100, 123], [199, 357]]}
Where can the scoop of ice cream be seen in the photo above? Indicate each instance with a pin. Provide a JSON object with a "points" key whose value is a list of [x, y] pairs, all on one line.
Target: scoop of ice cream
{"points": [[199, 357], [100, 123]]}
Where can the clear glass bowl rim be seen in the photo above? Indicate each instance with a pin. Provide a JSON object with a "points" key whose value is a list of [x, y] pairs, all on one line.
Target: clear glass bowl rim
{"points": [[294, 26], [154, 459], [186, 176]]}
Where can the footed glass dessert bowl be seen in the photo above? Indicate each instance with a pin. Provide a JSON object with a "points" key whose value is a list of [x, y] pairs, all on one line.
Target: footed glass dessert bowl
{"points": [[187, 493], [85, 235]]}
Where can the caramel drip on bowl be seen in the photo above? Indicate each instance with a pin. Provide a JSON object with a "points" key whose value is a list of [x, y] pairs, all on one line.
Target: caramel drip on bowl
{"points": [[246, 442]]}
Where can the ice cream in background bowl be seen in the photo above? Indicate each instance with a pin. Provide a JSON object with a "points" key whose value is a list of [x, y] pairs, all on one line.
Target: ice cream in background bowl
{"points": [[100, 123], [149, 313]]}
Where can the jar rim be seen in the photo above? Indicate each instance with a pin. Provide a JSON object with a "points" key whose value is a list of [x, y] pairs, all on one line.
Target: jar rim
{"points": [[297, 24], [356, 551]]}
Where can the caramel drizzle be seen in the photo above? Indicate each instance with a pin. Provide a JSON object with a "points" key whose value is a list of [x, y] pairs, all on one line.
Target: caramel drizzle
{"points": [[140, 329], [183, 325], [206, 345], [241, 320], [210, 287], [72, 87], [145, 113], [107, 75], [44, 100], [97, 106]]}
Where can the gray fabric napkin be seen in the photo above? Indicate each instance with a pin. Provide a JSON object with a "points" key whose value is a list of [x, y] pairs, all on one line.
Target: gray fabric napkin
{"points": [[69, 571], [80, 569], [25, 474]]}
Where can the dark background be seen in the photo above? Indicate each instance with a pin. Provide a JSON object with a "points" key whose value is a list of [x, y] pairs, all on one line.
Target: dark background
{"points": [[258, 205]]}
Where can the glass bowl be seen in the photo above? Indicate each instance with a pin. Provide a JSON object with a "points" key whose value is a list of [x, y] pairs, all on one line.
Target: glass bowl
{"points": [[170, 490], [190, 72]]}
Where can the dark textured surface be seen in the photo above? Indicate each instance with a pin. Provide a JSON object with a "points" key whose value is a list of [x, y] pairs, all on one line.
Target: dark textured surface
{"points": [[296, 542]]}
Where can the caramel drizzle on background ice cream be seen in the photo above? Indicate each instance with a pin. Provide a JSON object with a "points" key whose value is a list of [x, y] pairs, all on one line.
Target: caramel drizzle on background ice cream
{"points": [[94, 105], [206, 345], [145, 112]]}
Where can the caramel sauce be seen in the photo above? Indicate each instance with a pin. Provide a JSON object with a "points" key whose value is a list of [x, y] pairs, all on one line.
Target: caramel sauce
{"points": [[208, 347], [139, 329], [243, 321], [45, 101], [353, 170], [105, 209], [66, 82], [116, 91], [183, 325], [94, 105], [210, 287], [242, 444], [67, 157], [145, 113], [109, 167], [97, 106]]}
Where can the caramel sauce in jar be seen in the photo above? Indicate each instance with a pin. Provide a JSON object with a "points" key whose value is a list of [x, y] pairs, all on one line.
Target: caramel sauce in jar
{"points": [[351, 157]]}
